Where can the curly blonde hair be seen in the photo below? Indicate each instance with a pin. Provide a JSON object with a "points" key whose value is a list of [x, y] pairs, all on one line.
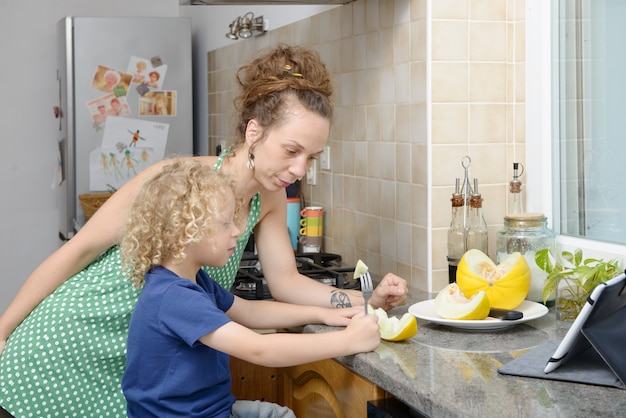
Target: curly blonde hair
{"points": [[173, 209], [277, 75]]}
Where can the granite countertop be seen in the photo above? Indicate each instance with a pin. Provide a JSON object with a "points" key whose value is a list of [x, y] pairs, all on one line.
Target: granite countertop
{"points": [[447, 372]]}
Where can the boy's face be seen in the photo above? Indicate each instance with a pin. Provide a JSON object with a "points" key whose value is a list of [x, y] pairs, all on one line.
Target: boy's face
{"points": [[216, 251]]}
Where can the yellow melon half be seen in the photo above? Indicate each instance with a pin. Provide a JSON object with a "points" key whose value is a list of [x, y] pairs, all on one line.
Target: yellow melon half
{"points": [[450, 303], [506, 284]]}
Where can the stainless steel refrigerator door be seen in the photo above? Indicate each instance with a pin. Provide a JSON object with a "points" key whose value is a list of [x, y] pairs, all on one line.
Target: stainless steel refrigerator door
{"points": [[85, 43]]}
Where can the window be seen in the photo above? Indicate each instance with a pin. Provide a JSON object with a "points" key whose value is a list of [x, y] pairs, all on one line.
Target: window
{"points": [[590, 92], [576, 118]]}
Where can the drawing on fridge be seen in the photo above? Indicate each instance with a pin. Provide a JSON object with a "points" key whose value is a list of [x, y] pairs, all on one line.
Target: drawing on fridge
{"points": [[125, 102]]}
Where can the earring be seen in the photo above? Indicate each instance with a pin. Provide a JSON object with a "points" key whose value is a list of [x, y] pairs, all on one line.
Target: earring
{"points": [[250, 163]]}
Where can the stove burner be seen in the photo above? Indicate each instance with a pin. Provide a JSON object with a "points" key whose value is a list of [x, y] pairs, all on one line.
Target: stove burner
{"points": [[323, 267]]}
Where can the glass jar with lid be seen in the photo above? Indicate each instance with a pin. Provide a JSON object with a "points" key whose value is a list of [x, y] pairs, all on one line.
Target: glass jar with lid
{"points": [[526, 233]]}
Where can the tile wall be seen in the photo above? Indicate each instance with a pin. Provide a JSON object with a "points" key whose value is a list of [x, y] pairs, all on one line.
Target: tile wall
{"points": [[414, 94]]}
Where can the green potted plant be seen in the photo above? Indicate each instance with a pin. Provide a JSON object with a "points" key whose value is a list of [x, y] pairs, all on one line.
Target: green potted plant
{"points": [[571, 278]]}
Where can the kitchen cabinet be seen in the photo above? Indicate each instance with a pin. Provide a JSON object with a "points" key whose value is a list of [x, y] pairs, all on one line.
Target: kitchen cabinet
{"points": [[317, 390], [327, 389], [254, 382]]}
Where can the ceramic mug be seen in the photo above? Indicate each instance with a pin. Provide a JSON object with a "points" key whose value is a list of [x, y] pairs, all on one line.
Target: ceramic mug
{"points": [[311, 221], [311, 248], [312, 212], [311, 231], [310, 240]]}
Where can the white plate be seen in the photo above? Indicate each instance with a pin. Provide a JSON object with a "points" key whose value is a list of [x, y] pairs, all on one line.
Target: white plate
{"points": [[426, 310]]}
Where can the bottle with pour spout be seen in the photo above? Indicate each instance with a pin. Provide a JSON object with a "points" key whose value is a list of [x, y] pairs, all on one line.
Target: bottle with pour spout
{"points": [[456, 233], [468, 228], [516, 204], [476, 231]]}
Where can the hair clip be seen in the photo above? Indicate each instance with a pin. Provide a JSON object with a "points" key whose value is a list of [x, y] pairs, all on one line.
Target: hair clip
{"points": [[287, 69]]}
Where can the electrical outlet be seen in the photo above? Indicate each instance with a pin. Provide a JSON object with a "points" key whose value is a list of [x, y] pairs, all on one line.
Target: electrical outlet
{"points": [[325, 159], [311, 175]]}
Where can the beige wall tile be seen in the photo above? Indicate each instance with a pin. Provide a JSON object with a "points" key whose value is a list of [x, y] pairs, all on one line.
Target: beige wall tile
{"points": [[446, 163], [488, 41], [418, 9], [450, 40], [419, 164], [419, 205], [403, 202], [419, 40], [450, 82], [487, 82], [402, 43], [419, 123], [403, 243], [403, 123], [441, 206], [388, 199], [450, 9], [488, 10], [440, 279], [440, 248], [404, 120], [449, 123], [420, 251], [488, 163], [403, 163], [487, 123]]}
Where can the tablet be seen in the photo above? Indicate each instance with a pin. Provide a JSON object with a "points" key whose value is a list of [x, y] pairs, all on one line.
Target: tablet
{"points": [[600, 326]]}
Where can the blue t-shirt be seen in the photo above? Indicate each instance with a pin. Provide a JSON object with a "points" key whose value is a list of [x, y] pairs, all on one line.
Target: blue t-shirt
{"points": [[169, 372]]}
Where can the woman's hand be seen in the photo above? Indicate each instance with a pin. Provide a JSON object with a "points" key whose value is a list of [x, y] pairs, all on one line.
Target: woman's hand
{"points": [[390, 292]]}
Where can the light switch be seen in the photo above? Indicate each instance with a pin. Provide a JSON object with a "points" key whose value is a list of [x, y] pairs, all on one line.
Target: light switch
{"points": [[325, 159], [311, 175]]}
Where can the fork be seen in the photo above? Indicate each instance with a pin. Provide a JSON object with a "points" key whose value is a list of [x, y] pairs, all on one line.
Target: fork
{"points": [[366, 287]]}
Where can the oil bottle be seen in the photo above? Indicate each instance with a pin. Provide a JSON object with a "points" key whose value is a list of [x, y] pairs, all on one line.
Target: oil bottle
{"points": [[476, 234], [456, 233]]}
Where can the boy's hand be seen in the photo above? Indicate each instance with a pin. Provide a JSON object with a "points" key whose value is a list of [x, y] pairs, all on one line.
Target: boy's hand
{"points": [[363, 332]]}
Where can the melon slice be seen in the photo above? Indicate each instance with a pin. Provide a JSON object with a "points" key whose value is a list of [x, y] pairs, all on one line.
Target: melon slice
{"points": [[394, 328], [360, 269], [451, 303]]}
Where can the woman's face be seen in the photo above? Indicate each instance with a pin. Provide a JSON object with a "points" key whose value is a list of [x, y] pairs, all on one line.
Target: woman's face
{"points": [[289, 148]]}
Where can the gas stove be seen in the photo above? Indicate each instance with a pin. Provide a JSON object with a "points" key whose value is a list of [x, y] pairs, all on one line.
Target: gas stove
{"points": [[323, 267]]}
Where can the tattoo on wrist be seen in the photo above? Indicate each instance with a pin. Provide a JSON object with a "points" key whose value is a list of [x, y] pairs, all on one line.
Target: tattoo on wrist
{"points": [[340, 299]]}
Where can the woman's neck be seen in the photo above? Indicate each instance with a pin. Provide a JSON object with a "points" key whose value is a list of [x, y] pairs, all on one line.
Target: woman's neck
{"points": [[235, 166]]}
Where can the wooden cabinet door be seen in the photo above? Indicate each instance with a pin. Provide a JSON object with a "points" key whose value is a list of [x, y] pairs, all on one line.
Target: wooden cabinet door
{"points": [[253, 382], [326, 389]]}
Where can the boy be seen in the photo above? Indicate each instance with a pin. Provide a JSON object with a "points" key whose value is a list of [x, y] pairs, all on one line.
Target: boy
{"points": [[185, 325]]}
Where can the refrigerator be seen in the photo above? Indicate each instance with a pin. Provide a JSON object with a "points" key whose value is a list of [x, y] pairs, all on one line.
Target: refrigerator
{"points": [[125, 102]]}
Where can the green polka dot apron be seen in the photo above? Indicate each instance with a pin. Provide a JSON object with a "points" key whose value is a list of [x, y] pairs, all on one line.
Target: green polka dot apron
{"points": [[67, 358]]}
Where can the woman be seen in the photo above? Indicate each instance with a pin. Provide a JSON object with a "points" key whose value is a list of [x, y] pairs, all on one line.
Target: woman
{"points": [[74, 338]]}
